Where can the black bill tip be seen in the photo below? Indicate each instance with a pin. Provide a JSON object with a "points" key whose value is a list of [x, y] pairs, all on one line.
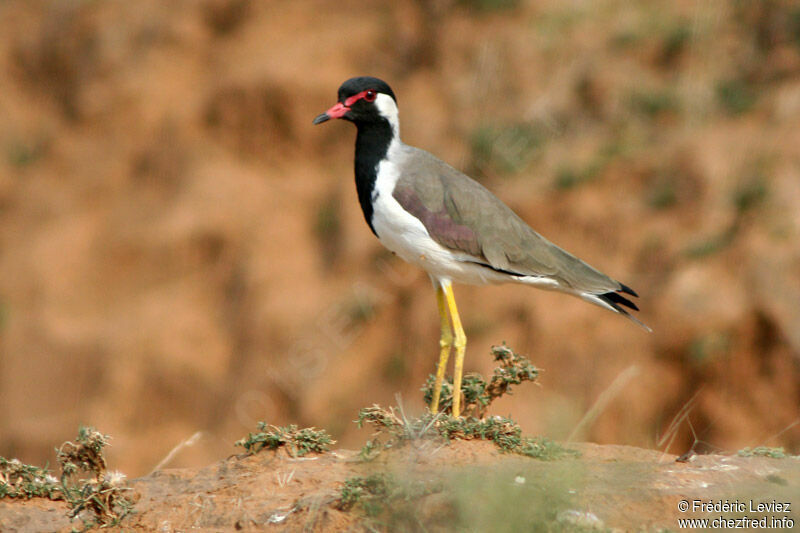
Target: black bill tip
{"points": [[324, 117]]}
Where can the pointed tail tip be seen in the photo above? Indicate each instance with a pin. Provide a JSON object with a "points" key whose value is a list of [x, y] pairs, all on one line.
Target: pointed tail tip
{"points": [[627, 290], [639, 323], [619, 299], [618, 303], [624, 312]]}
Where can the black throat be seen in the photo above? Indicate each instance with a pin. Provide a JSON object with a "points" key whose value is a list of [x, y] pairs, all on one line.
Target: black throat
{"points": [[372, 144]]}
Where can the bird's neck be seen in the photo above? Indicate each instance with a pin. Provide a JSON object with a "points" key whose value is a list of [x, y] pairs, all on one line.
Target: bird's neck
{"points": [[372, 145]]}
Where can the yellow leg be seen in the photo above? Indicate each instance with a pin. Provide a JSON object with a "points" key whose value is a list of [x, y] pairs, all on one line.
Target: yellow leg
{"points": [[460, 343], [445, 342]]}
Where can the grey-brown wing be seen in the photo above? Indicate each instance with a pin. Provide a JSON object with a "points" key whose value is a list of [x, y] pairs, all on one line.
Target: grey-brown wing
{"points": [[462, 215]]}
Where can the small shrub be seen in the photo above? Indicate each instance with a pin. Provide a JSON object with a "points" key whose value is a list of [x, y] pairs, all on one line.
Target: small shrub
{"points": [[298, 442], [391, 503], [478, 394], [102, 492], [20, 480]]}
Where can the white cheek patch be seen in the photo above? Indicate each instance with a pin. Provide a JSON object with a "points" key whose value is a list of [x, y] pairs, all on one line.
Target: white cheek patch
{"points": [[388, 110]]}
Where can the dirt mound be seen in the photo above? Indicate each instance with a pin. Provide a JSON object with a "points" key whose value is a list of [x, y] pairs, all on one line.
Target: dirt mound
{"points": [[440, 488], [182, 253]]}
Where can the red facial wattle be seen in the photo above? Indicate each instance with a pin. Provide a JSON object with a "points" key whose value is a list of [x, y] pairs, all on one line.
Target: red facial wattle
{"points": [[340, 109]]}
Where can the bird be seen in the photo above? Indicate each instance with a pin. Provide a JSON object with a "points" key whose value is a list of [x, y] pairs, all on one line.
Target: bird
{"points": [[434, 216]]}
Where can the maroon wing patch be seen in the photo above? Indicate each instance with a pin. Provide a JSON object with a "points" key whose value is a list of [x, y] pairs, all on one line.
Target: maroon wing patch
{"points": [[440, 225]]}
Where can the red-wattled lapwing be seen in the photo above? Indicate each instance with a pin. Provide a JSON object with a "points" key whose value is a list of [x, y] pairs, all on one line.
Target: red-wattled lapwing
{"points": [[432, 215]]}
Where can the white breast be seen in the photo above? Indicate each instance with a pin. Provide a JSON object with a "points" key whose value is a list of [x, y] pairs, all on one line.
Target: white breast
{"points": [[405, 235]]}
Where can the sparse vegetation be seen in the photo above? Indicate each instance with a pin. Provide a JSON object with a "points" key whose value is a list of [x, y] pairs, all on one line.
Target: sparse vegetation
{"points": [[20, 480], [393, 428], [374, 492], [750, 192], [570, 175], [763, 451], [389, 502], [97, 499], [298, 442], [101, 493], [369, 492], [395, 496]]}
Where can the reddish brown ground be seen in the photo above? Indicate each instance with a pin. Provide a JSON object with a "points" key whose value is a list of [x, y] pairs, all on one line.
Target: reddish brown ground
{"points": [[628, 489]]}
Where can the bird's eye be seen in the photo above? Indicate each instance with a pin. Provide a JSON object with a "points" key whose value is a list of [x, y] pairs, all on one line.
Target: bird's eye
{"points": [[370, 95]]}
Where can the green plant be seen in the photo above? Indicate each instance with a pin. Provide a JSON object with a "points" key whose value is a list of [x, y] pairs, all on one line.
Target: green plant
{"points": [[390, 503], [298, 442], [763, 451], [102, 492], [20, 480], [370, 492], [393, 428], [506, 434], [544, 449], [477, 392], [393, 423]]}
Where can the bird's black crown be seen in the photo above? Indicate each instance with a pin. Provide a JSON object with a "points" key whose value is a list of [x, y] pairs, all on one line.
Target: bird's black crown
{"points": [[364, 83]]}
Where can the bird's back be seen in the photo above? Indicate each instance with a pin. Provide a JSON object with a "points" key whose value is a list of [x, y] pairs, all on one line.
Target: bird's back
{"points": [[465, 217]]}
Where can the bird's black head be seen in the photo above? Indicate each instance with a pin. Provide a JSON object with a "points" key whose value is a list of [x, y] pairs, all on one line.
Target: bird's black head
{"points": [[361, 100]]}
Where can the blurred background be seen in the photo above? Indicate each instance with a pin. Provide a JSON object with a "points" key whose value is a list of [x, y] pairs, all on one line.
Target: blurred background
{"points": [[182, 252]]}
